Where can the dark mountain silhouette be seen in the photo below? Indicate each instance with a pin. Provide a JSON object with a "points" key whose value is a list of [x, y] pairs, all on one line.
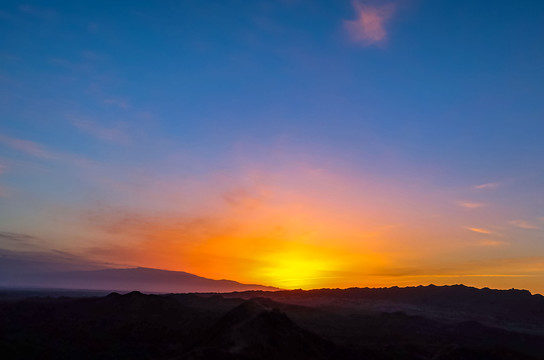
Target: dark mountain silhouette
{"points": [[256, 330], [143, 279], [513, 309], [284, 325], [130, 326]]}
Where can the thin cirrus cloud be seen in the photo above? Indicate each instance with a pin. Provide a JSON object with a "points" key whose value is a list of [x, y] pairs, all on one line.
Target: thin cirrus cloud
{"points": [[486, 186], [522, 224], [27, 147], [39, 151], [479, 230], [116, 134], [369, 27], [470, 204], [19, 241], [117, 102]]}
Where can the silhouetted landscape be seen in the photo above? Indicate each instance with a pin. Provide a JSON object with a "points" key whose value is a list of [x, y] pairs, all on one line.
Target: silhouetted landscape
{"points": [[425, 322], [144, 279]]}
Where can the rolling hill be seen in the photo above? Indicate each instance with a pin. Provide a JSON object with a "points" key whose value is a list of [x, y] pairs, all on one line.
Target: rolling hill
{"points": [[142, 279]]}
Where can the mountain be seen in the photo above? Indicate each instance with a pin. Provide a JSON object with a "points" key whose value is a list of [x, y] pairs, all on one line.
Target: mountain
{"points": [[142, 279], [223, 326], [256, 329], [511, 309]]}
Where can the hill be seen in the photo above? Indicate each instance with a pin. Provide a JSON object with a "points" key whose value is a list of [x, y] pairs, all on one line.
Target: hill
{"points": [[142, 279], [300, 326]]}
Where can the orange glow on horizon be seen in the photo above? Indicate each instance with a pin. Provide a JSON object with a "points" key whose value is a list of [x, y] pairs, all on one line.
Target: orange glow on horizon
{"points": [[310, 228]]}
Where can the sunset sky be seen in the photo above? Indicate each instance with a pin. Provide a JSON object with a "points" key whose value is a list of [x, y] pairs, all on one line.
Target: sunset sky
{"points": [[293, 143]]}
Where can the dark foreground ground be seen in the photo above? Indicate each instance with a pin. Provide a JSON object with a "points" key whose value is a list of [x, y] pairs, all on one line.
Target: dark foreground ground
{"points": [[438, 323]]}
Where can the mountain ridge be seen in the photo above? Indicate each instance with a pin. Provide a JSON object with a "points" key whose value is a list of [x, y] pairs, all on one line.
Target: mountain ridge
{"points": [[129, 279], [218, 327]]}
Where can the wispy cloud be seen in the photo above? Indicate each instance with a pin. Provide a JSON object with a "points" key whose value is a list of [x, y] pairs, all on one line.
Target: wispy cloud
{"points": [[369, 27], [509, 267], [488, 186], [37, 150], [151, 239], [470, 204], [245, 199], [18, 239], [479, 230], [123, 104], [116, 134], [523, 224], [26, 146]]}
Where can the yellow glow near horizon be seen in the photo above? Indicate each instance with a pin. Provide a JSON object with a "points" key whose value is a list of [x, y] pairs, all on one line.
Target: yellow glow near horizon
{"points": [[300, 228], [296, 269]]}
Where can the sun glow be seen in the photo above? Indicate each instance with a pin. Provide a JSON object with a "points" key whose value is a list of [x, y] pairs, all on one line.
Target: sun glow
{"points": [[300, 268]]}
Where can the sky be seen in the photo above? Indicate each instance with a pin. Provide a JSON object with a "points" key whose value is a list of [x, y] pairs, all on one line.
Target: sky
{"points": [[293, 143]]}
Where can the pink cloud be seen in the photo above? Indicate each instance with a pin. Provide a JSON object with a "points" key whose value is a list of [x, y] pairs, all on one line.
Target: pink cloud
{"points": [[522, 224], [470, 205], [492, 185], [369, 27], [480, 230]]}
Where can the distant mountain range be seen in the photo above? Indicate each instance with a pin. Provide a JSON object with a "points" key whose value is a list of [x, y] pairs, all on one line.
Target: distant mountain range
{"points": [[281, 325], [142, 279], [514, 309]]}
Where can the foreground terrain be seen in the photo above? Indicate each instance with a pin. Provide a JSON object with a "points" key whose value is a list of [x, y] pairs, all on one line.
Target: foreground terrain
{"points": [[452, 322]]}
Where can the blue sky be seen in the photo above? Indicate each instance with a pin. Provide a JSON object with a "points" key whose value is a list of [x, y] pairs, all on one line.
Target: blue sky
{"points": [[110, 105]]}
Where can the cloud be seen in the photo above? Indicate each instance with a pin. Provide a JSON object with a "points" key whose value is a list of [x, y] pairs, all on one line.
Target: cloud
{"points": [[499, 267], [117, 102], [489, 186], [479, 230], [116, 134], [246, 199], [19, 240], [26, 146], [160, 240], [150, 227], [470, 205], [37, 150], [369, 27], [522, 224]]}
